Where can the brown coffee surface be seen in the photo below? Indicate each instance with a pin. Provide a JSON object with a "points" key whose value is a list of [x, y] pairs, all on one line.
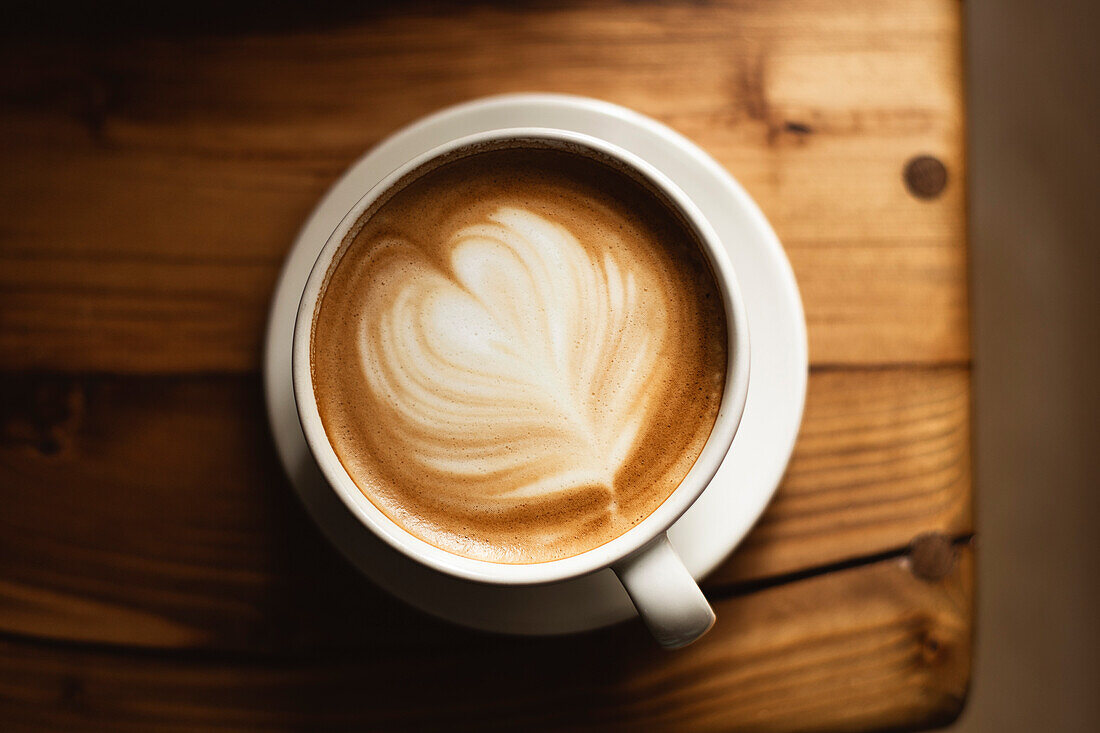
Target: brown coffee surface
{"points": [[519, 355]]}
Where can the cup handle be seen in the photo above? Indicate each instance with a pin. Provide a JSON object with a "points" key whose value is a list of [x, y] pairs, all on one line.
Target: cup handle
{"points": [[667, 598]]}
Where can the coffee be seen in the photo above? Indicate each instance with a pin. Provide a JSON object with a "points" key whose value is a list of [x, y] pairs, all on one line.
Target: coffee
{"points": [[519, 354]]}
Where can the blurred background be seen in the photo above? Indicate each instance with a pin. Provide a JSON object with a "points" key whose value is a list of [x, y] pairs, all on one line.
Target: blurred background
{"points": [[1034, 102]]}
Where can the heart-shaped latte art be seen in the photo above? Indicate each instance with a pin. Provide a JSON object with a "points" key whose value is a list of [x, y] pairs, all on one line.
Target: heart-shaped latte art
{"points": [[519, 368]]}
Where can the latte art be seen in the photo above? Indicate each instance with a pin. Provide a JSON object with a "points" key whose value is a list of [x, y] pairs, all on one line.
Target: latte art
{"points": [[519, 355], [519, 373]]}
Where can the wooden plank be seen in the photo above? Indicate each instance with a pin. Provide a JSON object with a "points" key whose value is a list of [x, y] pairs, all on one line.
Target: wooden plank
{"points": [[881, 457], [150, 184], [871, 647], [151, 511]]}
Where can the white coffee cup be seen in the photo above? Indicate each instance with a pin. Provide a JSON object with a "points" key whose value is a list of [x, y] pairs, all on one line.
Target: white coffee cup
{"points": [[661, 588]]}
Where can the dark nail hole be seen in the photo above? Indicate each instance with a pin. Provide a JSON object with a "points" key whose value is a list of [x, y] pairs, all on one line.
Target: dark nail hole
{"points": [[932, 556], [49, 446], [71, 688], [925, 176]]}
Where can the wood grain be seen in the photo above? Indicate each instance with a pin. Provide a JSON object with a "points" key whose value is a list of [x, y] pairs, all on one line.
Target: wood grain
{"points": [[151, 184], [156, 570], [870, 647], [881, 457], [153, 512]]}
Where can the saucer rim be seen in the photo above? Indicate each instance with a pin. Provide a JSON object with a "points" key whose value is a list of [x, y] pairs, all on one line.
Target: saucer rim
{"points": [[530, 621]]}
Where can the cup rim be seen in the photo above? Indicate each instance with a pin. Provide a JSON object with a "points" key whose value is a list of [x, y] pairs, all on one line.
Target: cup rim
{"points": [[730, 410]]}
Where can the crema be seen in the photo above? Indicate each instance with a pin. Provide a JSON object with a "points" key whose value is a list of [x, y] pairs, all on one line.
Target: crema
{"points": [[519, 354]]}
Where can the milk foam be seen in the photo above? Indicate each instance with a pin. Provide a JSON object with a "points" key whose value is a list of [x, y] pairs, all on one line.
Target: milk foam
{"points": [[522, 371], [519, 355]]}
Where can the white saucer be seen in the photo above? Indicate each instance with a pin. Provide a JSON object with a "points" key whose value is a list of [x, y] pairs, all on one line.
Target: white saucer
{"points": [[736, 497]]}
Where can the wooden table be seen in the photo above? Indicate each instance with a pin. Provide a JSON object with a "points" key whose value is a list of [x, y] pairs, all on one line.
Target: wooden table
{"points": [[156, 570]]}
